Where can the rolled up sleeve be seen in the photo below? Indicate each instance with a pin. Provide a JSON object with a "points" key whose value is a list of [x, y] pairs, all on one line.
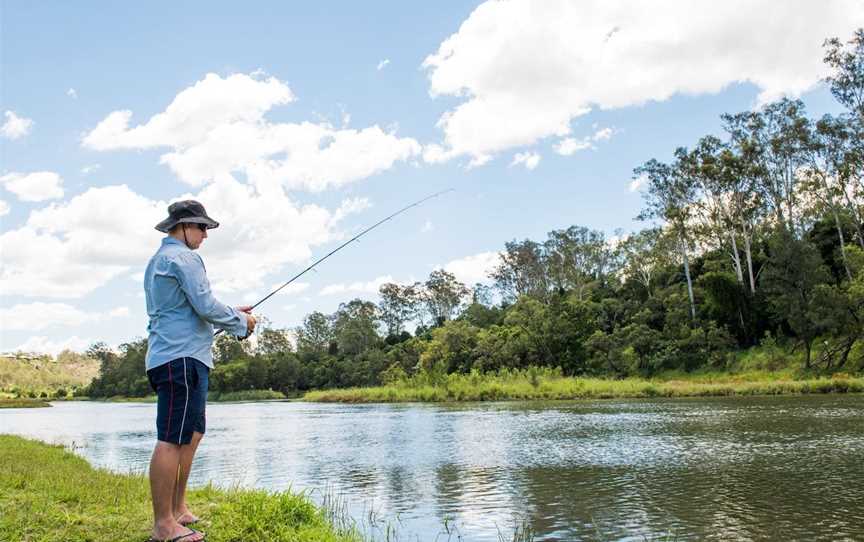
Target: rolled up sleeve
{"points": [[192, 277]]}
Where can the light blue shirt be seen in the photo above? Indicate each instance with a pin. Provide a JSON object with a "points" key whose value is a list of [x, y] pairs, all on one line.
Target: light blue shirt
{"points": [[182, 308]]}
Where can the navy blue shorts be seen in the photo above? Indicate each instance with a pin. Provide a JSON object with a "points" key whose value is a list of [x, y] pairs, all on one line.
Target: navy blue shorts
{"points": [[181, 390]]}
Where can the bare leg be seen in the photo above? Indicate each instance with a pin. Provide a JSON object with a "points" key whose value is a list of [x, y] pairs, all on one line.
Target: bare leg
{"points": [[187, 454], [163, 481]]}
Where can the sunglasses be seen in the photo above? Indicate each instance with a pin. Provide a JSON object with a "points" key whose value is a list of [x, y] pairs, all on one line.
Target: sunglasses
{"points": [[202, 227]]}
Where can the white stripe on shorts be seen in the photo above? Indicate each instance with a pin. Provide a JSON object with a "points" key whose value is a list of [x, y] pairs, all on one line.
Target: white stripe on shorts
{"points": [[183, 422]]}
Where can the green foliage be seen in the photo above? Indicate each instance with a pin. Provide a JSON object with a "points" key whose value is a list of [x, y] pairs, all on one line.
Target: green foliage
{"points": [[120, 373], [544, 383], [754, 235], [23, 403], [247, 395], [452, 347], [21, 374]]}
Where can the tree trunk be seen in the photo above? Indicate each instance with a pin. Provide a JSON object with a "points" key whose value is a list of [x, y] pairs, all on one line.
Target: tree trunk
{"points": [[842, 244], [749, 261], [736, 258], [846, 350], [856, 218], [807, 348], [687, 275]]}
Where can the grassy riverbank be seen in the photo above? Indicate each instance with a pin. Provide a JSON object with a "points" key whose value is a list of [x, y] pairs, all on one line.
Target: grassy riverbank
{"points": [[51, 495], [213, 397], [23, 403], [544, 384]]}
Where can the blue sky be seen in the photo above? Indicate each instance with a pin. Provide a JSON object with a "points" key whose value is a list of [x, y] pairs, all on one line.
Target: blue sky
{"points": [[318, 119]]}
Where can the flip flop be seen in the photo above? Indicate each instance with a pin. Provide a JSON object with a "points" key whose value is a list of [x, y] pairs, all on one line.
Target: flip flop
{"points": [[179, 538]]}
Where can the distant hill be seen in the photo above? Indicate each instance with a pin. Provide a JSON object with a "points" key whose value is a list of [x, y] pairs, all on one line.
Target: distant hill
{"points": [[44, 373]]}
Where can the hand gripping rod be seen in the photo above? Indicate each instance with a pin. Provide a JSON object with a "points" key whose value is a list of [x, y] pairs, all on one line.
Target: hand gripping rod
{"points": [[346, 243]]}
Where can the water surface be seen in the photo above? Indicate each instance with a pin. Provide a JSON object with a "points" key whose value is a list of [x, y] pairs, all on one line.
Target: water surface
{"points": [[767, 468]]}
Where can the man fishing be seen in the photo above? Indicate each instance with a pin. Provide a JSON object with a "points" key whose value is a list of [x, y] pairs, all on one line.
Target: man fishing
{"points": [[182, 312]]}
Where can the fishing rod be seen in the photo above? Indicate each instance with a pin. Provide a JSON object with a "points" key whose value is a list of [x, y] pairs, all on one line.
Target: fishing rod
{"points": [[343, 245]]}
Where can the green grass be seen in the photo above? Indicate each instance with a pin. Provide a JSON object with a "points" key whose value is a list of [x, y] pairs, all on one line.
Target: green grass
{"points": [[214, 397], [546, 384], [23, 403], [48, 494], [246, 395]]}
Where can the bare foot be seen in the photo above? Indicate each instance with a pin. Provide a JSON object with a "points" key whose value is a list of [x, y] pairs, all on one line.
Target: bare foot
{"points": [[187, 518], [175, 531]]}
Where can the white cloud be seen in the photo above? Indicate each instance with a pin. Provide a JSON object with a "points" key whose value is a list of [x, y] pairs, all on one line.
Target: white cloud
{"points": [[4, 208], [72, 93], [604, 134], [86, 170], [15, 127], [383, 64], [36, 186], [68, 250], [528, 159], [217, 127], [44, 345], [118, 312], [570, 145], [359, 287], [427, 227], [473, 269], [292, 289], [262, 230], [637, 183], [38, 316], [525, 69]]}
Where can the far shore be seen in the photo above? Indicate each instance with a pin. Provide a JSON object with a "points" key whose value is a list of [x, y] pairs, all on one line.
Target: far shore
{"points": [[525, 386], [24, 403], [456, 388]]}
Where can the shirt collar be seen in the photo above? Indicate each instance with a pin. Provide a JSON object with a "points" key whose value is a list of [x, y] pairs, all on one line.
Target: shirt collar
{"points": [[171, 241]]}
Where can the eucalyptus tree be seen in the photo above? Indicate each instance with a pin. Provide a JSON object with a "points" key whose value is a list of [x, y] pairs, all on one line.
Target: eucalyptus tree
{"points": [[826, 175], [355, 326], [713, 169], [576, 258], [315, 334], [670, 197], [644, 254], [846, 82], [521, 270], [272, 342], [397, 306], [444, 295], [847, 65], [774, 139], [743, 171], [481, 294]]}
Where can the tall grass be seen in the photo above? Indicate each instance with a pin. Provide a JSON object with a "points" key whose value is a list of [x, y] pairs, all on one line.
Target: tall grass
{"points": [[23, 403], [246, 395], [538, 383]]}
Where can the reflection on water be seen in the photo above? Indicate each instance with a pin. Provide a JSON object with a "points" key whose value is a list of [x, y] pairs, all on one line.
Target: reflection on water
{"points": [[787, 468]]}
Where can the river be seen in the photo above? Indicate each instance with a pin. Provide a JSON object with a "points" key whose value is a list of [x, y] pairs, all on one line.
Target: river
{"points": [[762, 468]]}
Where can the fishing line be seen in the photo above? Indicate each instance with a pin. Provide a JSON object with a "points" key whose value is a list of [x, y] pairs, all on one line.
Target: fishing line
{"points": [[343, 245]]}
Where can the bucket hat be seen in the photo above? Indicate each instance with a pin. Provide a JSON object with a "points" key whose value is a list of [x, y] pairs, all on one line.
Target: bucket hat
{"points": [[189, 211]]}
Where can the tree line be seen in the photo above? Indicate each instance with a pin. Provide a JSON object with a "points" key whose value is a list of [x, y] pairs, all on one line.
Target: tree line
{"points": [[753, 237]]}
